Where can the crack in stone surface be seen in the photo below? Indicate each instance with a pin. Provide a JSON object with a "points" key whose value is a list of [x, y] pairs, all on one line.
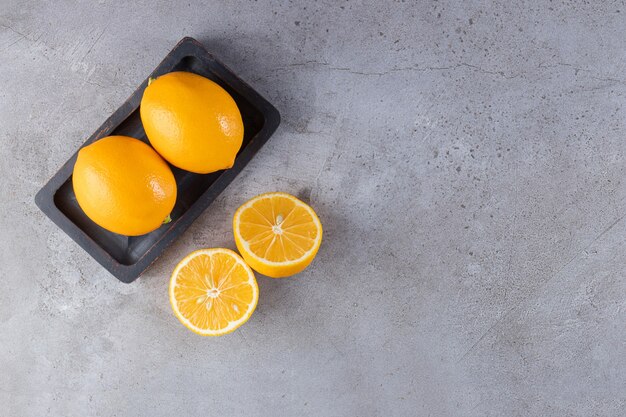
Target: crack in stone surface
{"points": [[416, 68]]}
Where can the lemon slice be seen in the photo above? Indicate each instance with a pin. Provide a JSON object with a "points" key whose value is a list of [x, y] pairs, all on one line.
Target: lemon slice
{"points": [[277, 234], [213, 291]]}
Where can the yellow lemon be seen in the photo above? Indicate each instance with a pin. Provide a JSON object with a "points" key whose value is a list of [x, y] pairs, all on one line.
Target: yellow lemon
{"points": [[123, 185], [213, 291], [192, 122], [277, 234]]}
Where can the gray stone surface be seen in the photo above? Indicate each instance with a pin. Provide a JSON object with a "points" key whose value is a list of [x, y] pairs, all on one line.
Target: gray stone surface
{"points": [[467, 160]]}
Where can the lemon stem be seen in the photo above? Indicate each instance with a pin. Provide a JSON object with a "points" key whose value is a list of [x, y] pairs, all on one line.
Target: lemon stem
{"points": [[167, 219], [150, 79]]}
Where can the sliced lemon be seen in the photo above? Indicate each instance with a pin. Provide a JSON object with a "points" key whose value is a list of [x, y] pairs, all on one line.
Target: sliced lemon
{"points": [[277, 234], [213, 291]]}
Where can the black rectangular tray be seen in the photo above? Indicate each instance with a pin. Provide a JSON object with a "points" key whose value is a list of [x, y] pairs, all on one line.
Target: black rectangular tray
{"points": [[127, 257]]}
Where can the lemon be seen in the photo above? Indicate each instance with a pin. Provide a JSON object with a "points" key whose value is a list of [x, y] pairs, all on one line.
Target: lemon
{"points": [[123, 185], [213, 291], [277, 234], [192, 122]]}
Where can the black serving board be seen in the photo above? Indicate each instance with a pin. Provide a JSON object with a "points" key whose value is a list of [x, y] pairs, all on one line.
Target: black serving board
{"points": [[127, 257]]}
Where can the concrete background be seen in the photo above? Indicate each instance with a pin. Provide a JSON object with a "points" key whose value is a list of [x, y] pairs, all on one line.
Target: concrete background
{"points": [[467, 161]]}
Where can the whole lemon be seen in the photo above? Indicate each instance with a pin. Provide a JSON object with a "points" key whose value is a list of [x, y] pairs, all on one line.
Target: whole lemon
{"points": [[123, 185], [192, 122]]}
